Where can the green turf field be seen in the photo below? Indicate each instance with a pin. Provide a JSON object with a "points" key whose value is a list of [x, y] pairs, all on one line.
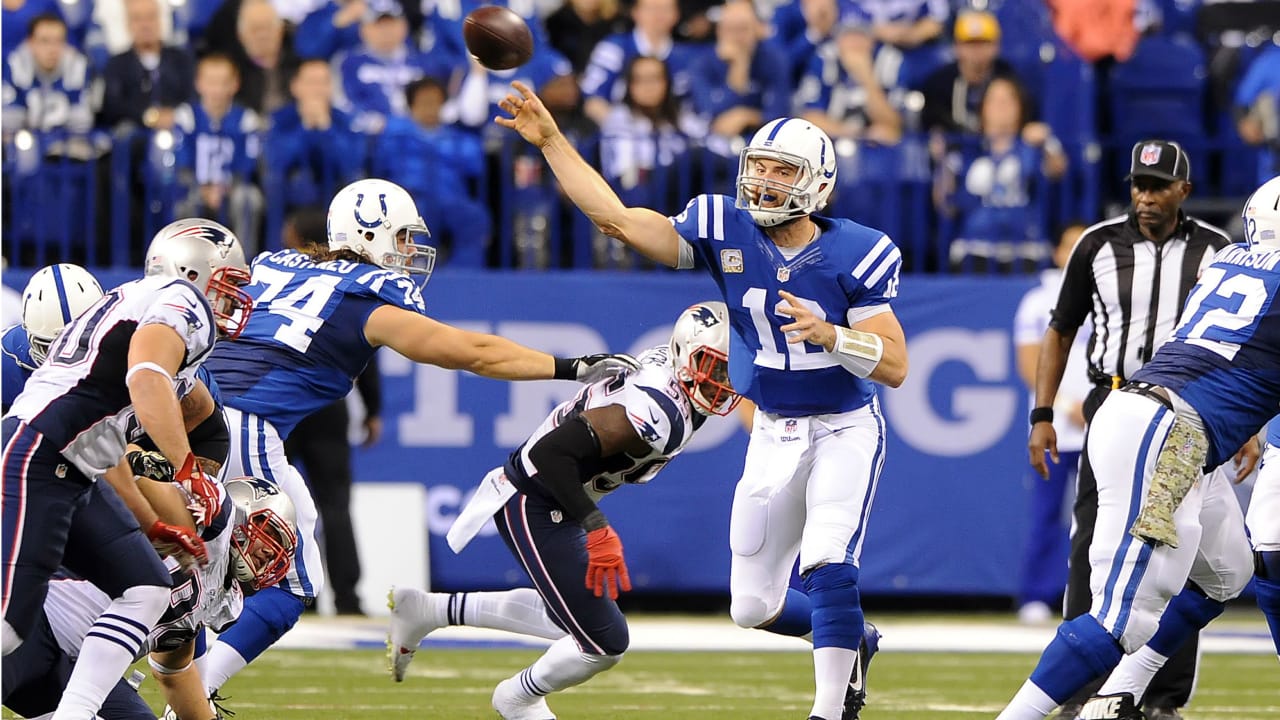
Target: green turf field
{"points": [[353, 685]]}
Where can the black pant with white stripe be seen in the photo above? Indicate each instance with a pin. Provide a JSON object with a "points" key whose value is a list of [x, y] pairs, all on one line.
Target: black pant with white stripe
{"points": [[553, 550], [55, 516]]}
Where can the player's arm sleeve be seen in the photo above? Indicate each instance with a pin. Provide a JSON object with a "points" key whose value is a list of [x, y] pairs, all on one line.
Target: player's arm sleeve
{"points": [[1075, 299], [186, 310], [875, 281], [369, 384], [558, 457], [701, 221]]}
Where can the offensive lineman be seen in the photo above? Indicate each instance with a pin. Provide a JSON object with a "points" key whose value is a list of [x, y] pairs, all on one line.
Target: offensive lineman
{"points": [[619, 430], [1163, 523], [318, 318]]}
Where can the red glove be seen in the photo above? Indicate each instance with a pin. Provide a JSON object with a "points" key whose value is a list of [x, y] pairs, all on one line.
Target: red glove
{"points": [[606, 570], [164, 533], [202, 488]]}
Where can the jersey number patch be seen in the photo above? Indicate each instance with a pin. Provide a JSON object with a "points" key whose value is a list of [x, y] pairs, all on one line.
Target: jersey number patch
{"points": [[774, 350], [299, 311], [1220, 307]]}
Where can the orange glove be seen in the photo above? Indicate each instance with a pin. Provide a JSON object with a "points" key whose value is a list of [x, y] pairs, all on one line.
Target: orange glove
{"points": [[606, 570], [202, 488], [164, 533]]}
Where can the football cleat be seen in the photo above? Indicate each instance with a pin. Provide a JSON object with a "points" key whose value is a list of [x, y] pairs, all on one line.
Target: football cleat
{"points": [[513, 703], [1164, 714], [856, 696], [1120, 706], [410, 622]]}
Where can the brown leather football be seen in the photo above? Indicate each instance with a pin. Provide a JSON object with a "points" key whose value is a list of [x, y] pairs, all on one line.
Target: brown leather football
{"points": [[497, 37]]}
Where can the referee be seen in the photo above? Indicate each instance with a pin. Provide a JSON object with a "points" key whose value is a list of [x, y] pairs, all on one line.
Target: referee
{"points": [[1131, 276]]}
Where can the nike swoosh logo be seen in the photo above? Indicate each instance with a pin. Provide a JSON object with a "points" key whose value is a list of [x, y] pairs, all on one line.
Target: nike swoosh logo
{"points": [[655, 417], [855, 681]]}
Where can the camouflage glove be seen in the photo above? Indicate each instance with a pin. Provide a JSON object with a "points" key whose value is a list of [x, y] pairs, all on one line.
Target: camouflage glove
{"points": [[149, 464]]}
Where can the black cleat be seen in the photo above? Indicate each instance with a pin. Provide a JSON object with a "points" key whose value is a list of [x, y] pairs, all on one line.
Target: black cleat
{"points": [[856, 696], [1120, 706], [1164, 714]]}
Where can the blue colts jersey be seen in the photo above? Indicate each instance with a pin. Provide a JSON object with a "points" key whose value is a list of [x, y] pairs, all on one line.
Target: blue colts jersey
{"points": [[848, 274], [1224, 356], [17, 363], [304, 343]]}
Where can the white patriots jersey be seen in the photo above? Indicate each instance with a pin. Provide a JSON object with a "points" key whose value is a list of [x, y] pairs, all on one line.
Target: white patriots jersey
{"points": [[658, 409], [848, 274], [78, 398]]}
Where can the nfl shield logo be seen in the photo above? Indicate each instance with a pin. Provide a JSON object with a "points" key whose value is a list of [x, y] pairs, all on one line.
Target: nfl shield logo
{"points": [[789, 426], [1150, 155]]}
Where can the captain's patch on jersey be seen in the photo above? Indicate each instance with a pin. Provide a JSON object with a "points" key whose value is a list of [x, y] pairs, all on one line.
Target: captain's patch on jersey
{"points": [[731, 260]]}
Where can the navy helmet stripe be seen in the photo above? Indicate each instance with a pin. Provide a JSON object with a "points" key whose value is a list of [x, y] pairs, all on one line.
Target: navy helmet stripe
{"points": [[62, 293], [774, 132]]}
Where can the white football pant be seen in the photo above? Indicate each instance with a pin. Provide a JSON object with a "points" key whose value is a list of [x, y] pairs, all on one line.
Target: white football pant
{"points": [[806, 490], [1264, 507]]}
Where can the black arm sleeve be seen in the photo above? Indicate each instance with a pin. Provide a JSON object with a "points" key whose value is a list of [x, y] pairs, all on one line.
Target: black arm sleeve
{"points": [[558, 456], [369, 385], [1075, 299], [211, 439]]}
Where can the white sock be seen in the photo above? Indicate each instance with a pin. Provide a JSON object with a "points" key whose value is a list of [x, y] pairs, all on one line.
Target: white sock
{"points": [[519, 611], [221, 663], [1134, 673], [110, 646], [562, 666], [1031, 703], [832, 667]]}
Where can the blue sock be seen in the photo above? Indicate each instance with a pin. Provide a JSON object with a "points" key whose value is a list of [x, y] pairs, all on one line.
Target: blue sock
{"points": [[1267, 587], [202, 643], [1188, 613], [267, 616], [796, 618], [1082, 651], [837, 606]]}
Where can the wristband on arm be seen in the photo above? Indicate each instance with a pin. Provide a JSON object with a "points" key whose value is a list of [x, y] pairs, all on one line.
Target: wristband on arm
{"points": [[1041, 414], [857, 351]]}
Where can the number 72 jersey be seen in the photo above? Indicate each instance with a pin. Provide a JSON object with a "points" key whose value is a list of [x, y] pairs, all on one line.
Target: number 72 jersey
{"points": [[846, 275], [1223, 357]]}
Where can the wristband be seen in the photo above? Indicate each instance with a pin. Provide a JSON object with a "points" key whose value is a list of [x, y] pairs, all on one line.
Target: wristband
{"points": [[565, 369], [1041, 414], [857, 351]]}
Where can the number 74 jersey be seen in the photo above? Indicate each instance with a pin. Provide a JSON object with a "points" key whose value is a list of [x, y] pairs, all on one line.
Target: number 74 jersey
{"points": [[847, 274], [1223, 357]]}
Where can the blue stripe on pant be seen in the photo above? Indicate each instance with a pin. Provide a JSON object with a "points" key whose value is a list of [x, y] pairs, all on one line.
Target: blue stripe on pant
{"points": [[42, 493], [553, 550]]}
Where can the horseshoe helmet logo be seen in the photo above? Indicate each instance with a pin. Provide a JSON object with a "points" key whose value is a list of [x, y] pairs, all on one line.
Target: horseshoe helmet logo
{"points": [[382, 201]]}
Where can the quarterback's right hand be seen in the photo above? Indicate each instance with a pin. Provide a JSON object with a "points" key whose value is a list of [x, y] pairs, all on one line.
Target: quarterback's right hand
{"points": [[606, 570], [175, 537], [529, 116], [1043, 437], [202, 489]]}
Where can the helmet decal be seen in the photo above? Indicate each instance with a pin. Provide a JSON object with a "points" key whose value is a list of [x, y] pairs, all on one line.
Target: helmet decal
{"points": [[382, 200]]}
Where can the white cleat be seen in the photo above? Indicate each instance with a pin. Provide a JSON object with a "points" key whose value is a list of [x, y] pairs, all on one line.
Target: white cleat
{"points": [[513, 703], [410, 622]]}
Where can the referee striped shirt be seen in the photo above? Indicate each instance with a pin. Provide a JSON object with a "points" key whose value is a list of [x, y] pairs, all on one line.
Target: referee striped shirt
{"points": [[1131, 288]]}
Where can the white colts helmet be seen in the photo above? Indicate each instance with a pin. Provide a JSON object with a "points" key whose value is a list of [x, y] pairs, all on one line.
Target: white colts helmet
{"points": [[209, 256], [54, 296], [800, 144], [265, 537], [369, 216], [1262, 216], [700, 354]]}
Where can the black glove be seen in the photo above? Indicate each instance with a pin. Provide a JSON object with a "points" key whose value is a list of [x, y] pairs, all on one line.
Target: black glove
{"points": [[590, 368], [149, 464]]}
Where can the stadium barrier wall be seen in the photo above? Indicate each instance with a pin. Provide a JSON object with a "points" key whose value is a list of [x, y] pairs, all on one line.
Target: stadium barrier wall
{"points": [[950, 510]]}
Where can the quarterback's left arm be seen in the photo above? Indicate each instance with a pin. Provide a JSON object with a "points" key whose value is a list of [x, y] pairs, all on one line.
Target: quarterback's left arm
{"points": [[874, 348], [175, 671]]}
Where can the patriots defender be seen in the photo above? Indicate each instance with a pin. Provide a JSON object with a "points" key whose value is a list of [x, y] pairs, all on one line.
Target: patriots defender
{"points": [[1169, 549], [52, 298], [318, 318], [252, 549], [115, 364], [808, 300], [619, 430]]}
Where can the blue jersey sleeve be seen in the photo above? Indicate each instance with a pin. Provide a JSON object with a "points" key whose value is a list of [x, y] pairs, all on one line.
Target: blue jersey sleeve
{"points": [[876, 275], [701, 222], [16, 362], [392, 288]]}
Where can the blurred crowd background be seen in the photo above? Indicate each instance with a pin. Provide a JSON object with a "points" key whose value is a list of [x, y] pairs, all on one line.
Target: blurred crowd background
{"points": [[972, 131]]}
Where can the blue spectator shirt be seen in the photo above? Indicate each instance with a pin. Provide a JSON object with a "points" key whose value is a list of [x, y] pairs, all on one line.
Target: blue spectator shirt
{"points": [[769, 89], [1263, 76], [220, 151], [603, 76], [61, 101]]}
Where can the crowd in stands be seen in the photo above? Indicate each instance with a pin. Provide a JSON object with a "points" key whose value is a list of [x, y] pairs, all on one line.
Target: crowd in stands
{"points": [[969, 129]]}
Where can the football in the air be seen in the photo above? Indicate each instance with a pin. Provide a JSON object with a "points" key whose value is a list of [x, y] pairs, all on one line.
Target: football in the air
{"points": [[497, 37]]}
